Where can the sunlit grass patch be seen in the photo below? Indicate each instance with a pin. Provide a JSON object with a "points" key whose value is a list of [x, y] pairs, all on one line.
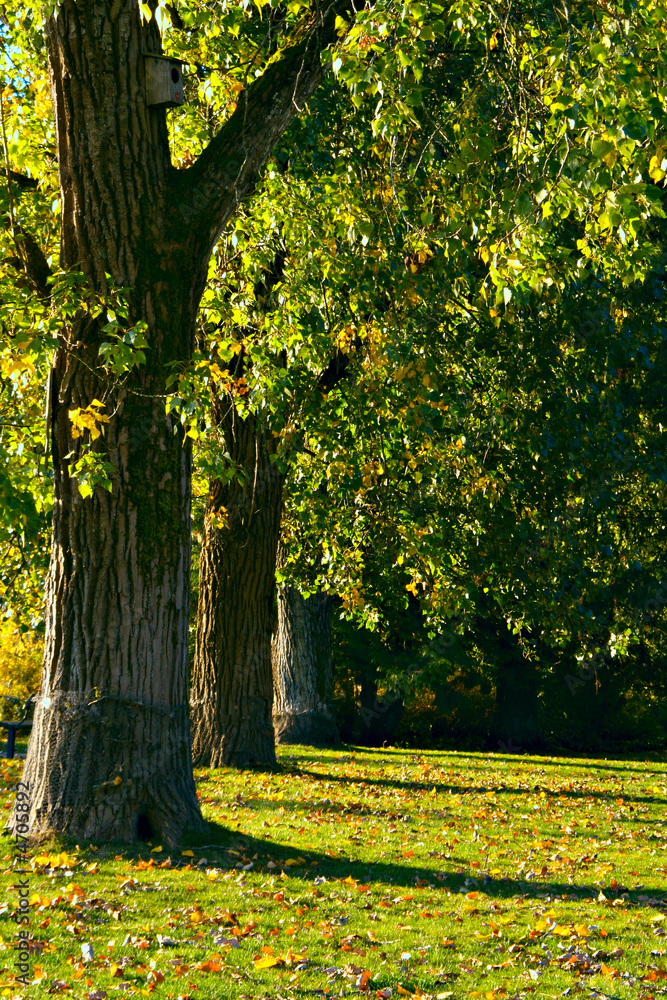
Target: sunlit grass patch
{"points": [[462, 875]]}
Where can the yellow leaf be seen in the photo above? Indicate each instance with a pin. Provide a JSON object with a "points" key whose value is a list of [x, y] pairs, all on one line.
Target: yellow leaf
{"points": [[293, 959], [188, 854], [562, 931], [655, 170], [117, 780], [156, 850], [268, 962]]}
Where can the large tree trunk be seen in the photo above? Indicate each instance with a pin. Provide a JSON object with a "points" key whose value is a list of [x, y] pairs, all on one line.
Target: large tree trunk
{"points": [[303, 670], [232, 687], [109, 754]]}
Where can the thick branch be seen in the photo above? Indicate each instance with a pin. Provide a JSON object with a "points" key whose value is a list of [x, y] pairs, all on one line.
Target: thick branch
{"points": [[32, 262], [335, 372], [209, 192]]}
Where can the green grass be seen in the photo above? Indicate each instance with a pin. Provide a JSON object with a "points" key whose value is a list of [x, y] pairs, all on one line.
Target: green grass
{"points": [[457, 875]]}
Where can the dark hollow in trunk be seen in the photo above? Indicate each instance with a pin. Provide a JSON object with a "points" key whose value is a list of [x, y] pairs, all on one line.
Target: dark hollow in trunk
{"points": [[232, 683], [303, 670]]}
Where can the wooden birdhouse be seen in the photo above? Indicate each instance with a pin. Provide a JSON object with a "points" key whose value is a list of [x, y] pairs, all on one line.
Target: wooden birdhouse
{"points": [[164, 81]]}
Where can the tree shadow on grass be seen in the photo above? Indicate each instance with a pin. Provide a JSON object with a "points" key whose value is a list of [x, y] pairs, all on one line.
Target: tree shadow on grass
{"points": [[501, 789], [226, 849], [481, 756]]}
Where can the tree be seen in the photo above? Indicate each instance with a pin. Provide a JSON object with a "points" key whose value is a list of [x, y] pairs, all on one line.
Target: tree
{"points": [[232, 696], [110, 750], [301, 655]]}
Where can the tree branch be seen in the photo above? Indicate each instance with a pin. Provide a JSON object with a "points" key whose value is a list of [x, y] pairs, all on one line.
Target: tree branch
{"points": [[335, 372], [208, 193]]}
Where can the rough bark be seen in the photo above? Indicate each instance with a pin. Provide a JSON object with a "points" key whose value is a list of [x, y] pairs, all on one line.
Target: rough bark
{"points": [[109, 754], [232, 688], [301, 657]]}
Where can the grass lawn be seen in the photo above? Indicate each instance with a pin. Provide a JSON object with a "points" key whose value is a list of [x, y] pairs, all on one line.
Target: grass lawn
{"points": [[388, 872]]}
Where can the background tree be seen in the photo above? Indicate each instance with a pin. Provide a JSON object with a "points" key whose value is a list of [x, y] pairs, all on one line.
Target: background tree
{"points": [[301, 655]]}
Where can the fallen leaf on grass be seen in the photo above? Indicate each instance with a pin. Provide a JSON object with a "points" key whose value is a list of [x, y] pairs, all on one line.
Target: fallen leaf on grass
{"points": [[210, 966], [268, 962]]}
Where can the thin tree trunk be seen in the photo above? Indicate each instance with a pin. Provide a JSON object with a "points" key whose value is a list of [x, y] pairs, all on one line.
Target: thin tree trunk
{"points": [[303, 670], [515, 722], [378, 717], [232, 687]]}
